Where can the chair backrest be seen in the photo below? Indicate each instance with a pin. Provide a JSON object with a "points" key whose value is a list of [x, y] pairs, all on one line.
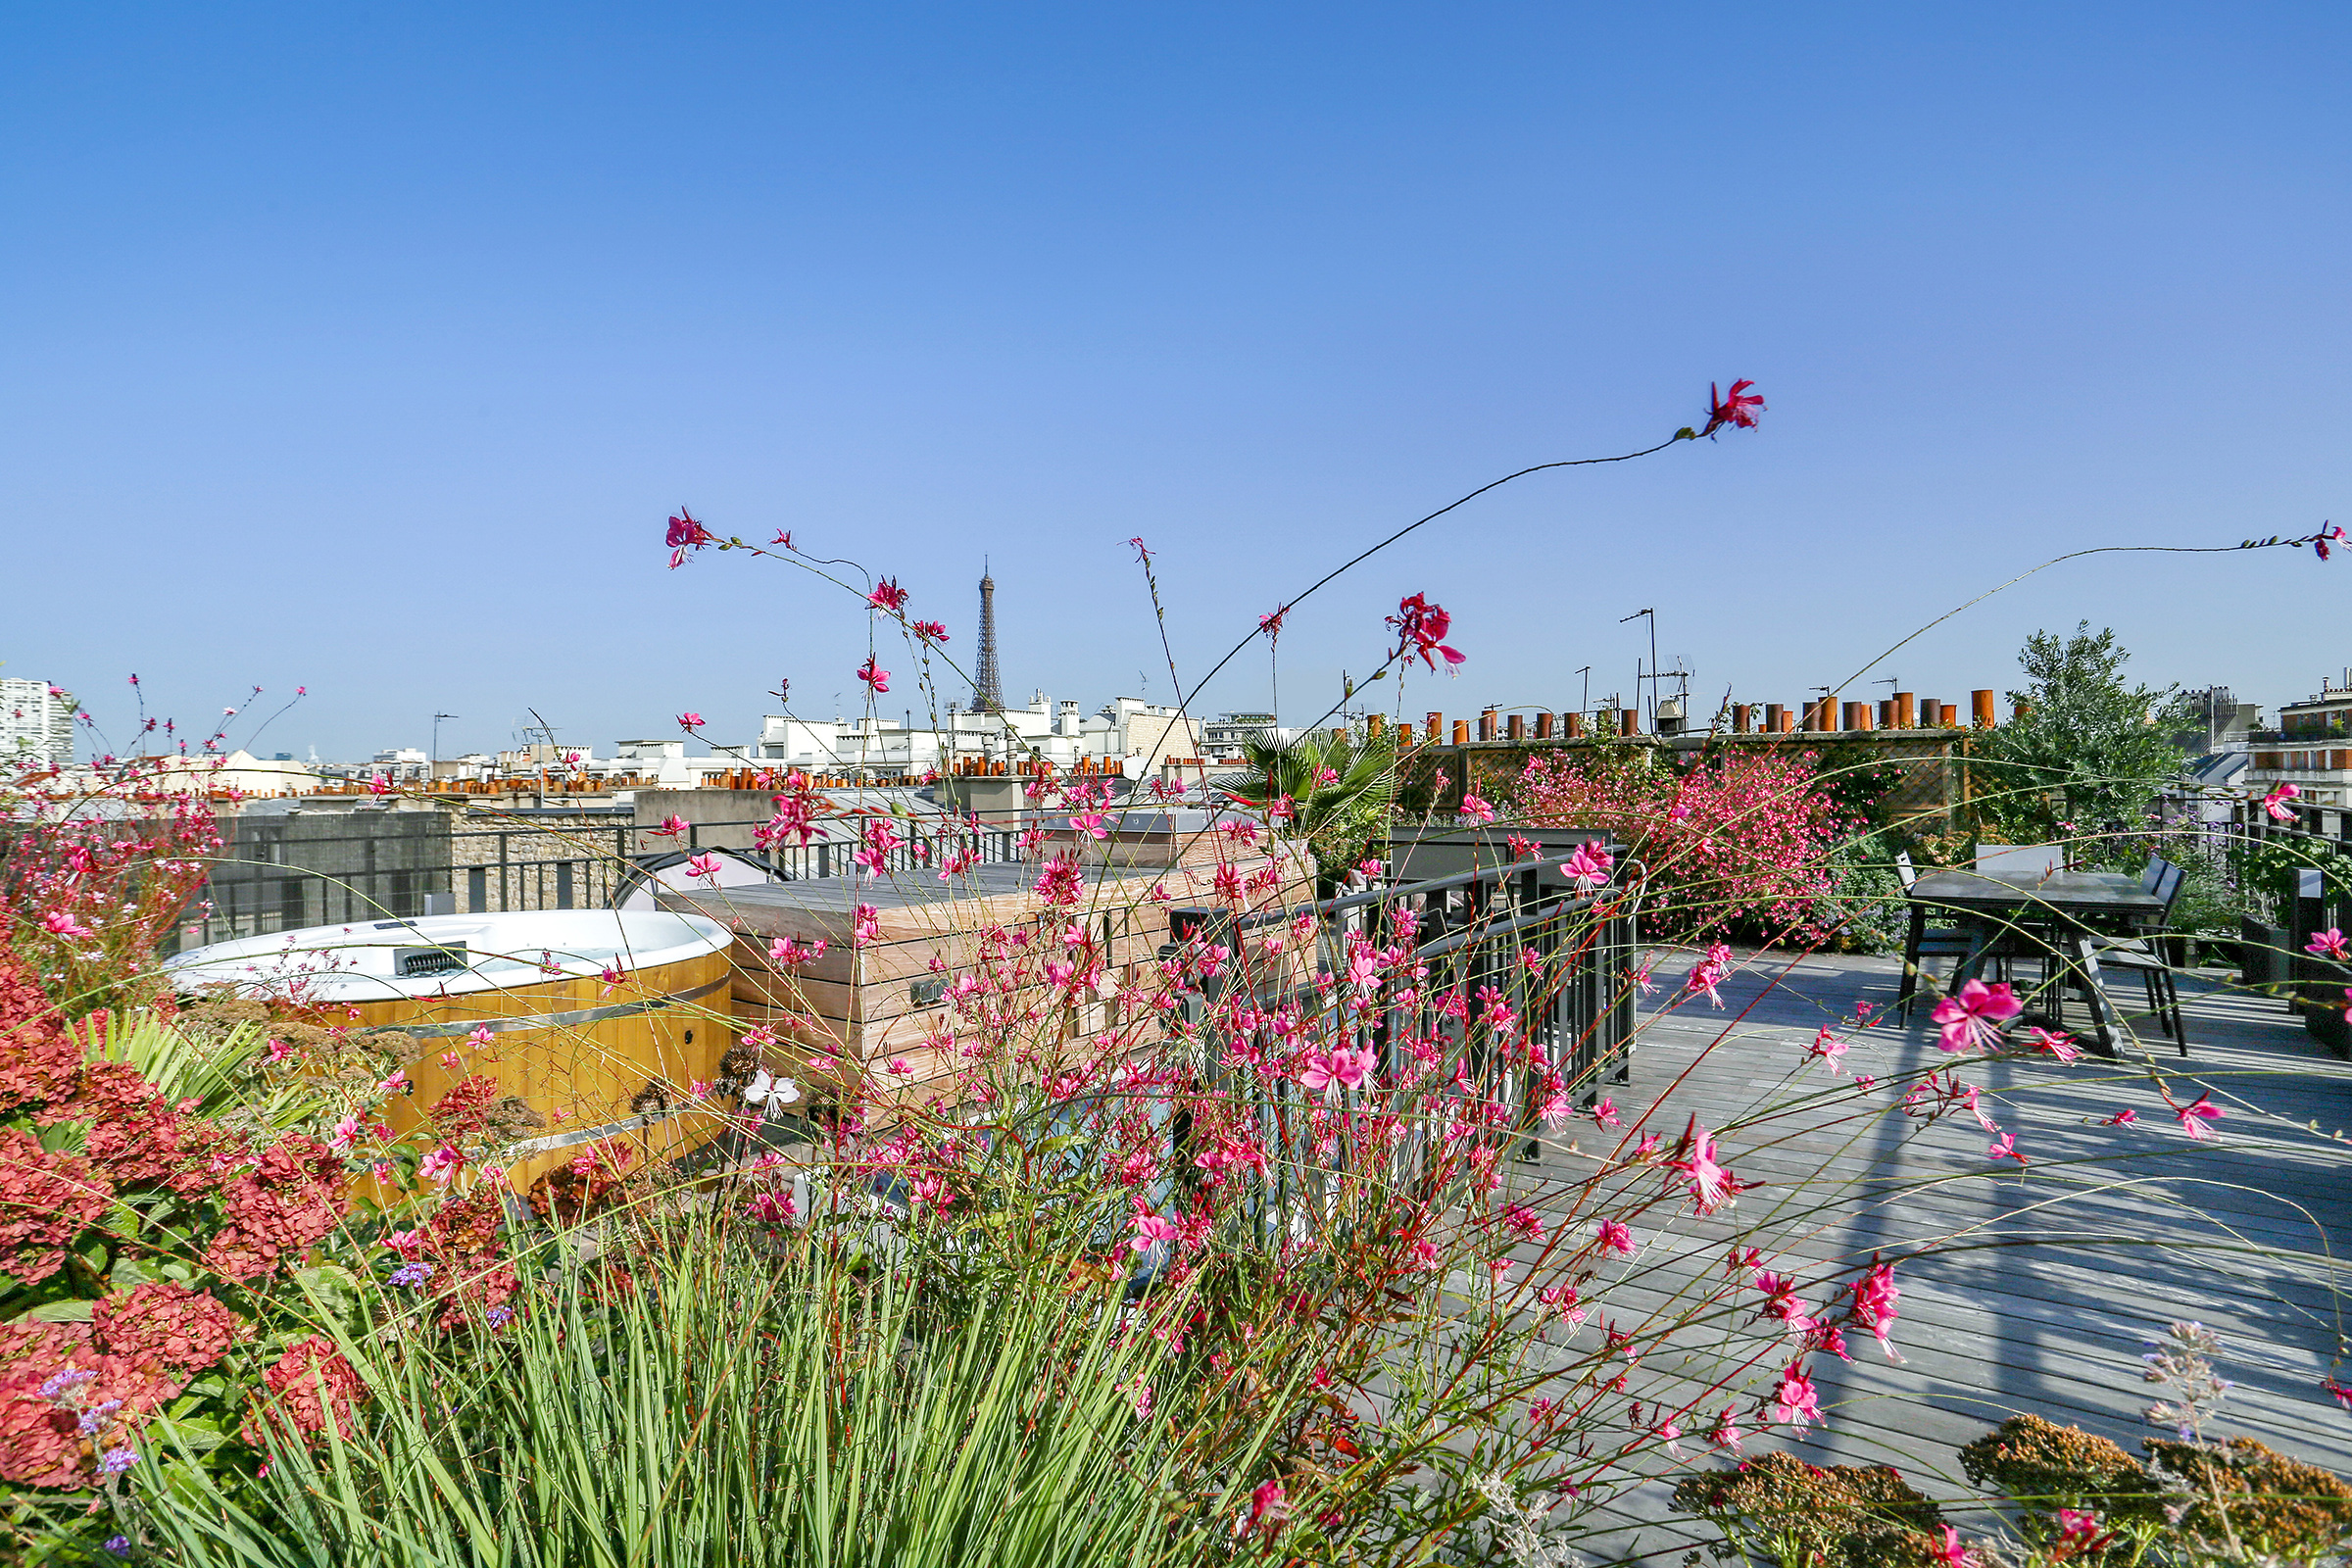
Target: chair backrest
{"points": [[2168, 878], [2152, 874], [2019, 865], [1904, 869]]}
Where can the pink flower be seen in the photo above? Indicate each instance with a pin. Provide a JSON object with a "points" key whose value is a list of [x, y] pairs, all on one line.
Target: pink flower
{"points": [[1616, 1236], [1726, 1433], [1604, 1115], [685, 534], [931, 631], [1828, 1050], [703, 866], [396, 1084], [1709, 973], [690, 721], [2121, 1118], [2005, 1147], [2328, 534], [1951, 1553], [2059, 1045], [1710, 1183], [1473, 807], [1973, 1015], [1421, 628], [2341, 1394], [866, 924], [1795, 1401], [377, 784], [2274, 803], [1267, 1509], [440, 1165], [1271, 624], [899, 1067], [888, 595], [1587, 867], [2328, 943], [2193, 1117], [1089, 823], [874, 676], [2080, 1529], [670, 828], [58, 924], [1343, 1066], [1150, 1228], [1737, 410], [1874, 1307]]}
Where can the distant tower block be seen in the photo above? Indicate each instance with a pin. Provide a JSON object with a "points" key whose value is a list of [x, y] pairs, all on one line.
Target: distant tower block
{"points": [[988, 686]]}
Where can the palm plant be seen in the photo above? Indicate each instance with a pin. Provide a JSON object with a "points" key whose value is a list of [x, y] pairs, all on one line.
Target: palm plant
{"points": [[1339, 786]]}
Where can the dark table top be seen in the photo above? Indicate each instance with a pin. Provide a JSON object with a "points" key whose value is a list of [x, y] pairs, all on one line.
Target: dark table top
{"points": [[2085, 892]]}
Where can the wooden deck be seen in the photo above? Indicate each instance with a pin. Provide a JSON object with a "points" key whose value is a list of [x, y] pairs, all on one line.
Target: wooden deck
{"points": [[2036, 1289]]}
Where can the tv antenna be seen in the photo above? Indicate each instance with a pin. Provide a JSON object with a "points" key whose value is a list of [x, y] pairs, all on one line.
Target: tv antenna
{"points": [[1653, 662], [437, 718]]}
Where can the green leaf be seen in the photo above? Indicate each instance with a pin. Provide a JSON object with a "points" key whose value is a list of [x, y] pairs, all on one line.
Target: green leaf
{"points": [[71, 1311]]}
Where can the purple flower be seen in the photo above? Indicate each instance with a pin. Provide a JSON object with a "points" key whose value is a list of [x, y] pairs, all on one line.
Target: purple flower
{"points": [[95, 1416], [119, 1546], [499, 1315], [117, 1461], [64, 1381], [411, 1274]]}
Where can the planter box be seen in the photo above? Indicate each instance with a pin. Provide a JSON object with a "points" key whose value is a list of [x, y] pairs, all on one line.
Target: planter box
{"points": [[2262, 951]]}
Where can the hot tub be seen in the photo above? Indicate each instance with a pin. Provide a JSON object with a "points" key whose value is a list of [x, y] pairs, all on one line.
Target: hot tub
{"points": [[586, 1011]]}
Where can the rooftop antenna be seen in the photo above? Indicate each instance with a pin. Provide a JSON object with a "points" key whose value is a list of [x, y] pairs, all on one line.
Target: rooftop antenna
{"points": [[1653, 662], [437, 718], [1587, 672]]}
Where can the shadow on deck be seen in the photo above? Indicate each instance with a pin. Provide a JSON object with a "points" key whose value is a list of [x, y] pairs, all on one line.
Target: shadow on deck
{"points": [[2033, 1289]]}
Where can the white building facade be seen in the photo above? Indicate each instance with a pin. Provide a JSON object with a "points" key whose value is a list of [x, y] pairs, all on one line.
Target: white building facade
{"points": [[36, 723]]}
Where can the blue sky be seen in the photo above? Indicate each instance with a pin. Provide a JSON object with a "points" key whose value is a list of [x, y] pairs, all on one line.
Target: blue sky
{"points": [[366, 349]]}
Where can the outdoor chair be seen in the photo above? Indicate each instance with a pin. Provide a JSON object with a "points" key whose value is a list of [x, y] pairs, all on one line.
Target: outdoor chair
{"points": [[1937, 937], [2154, 954]]}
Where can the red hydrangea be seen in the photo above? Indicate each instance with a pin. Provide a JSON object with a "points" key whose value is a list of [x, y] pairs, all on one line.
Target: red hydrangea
{"points": [[46, 1200], [39, 1057], [466, 1110], [292, 1197], [136, 1137], [308, 1384], [41, 1440], [167, 1325]]}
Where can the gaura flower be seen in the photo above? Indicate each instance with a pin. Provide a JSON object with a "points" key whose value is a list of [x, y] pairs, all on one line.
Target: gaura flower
{"points": [[1150, 1228], [1616, 1236], [2274, 803], [1473, 807], [873, 675], [685, 534], [2194, 1117], [1587, 867], [705, 867], [1794, 1399], [1421, 628], [888, 596], [1973, 1015], [2328, 943], [1738, 410], [690, 721]]}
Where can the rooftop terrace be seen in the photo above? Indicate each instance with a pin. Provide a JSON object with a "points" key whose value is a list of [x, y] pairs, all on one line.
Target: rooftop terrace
{"points": [[2044, 1282]]}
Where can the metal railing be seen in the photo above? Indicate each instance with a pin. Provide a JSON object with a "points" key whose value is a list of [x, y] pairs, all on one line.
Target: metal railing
{"points": [[1514, 935], [270, 881]]}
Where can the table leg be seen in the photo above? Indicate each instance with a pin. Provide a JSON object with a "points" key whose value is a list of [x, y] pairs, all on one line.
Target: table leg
{"points": [[2084, 958]]}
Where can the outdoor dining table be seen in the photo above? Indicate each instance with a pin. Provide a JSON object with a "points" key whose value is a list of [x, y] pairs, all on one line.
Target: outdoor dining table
{"points": [[2065, 913]]}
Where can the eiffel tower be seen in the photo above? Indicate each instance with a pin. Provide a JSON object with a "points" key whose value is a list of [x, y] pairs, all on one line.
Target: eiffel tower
{"points": [[988, 689]]}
